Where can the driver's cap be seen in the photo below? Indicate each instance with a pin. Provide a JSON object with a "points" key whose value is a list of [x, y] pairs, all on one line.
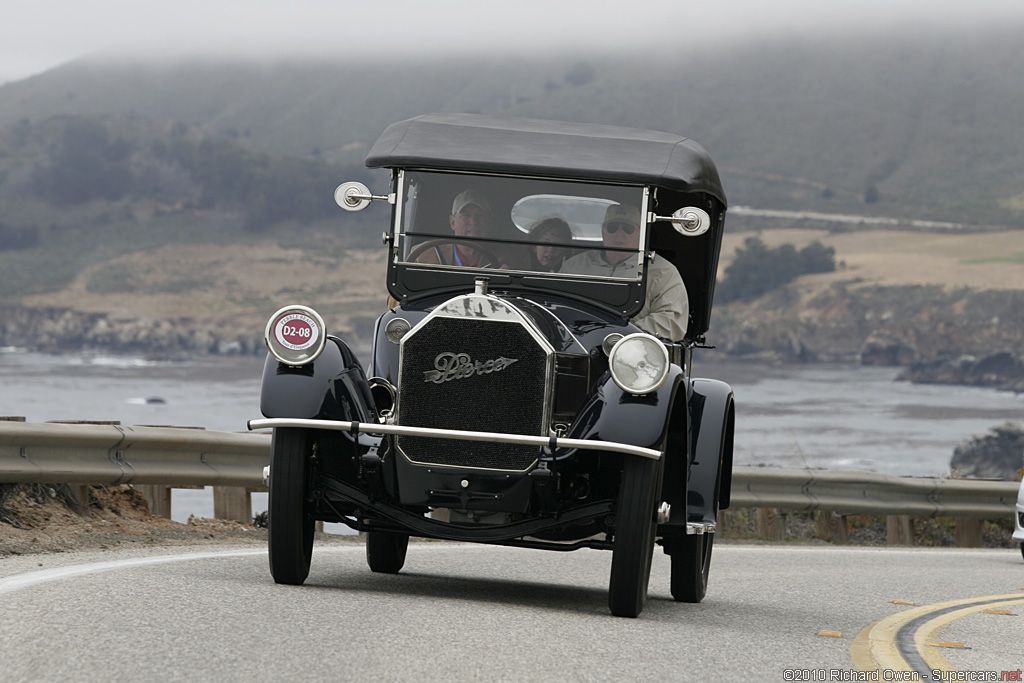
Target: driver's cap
{"points": [[470, 197], [622, 212]]}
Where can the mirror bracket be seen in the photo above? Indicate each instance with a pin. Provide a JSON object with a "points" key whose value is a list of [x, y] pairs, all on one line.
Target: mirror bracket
{"points": [[354, 196]]}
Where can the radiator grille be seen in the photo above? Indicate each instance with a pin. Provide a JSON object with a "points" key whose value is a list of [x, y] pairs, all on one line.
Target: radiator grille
{"points": [[508, 400]]}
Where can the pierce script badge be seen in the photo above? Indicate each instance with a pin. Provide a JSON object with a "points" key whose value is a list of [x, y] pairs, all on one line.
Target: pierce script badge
{"points": [[449, 366]]}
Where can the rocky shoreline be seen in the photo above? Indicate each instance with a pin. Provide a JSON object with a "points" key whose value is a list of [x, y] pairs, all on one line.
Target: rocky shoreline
{"points": [[53, 330], [962, 337]]}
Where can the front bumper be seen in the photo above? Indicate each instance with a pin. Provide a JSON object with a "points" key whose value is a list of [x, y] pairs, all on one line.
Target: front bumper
{"points": [[551, 442]]}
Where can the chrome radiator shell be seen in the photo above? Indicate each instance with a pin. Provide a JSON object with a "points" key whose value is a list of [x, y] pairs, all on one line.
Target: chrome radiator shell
{"points": [[476, 363]]}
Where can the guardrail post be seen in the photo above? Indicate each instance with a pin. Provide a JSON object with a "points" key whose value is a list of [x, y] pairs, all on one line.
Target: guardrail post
{"points": [[158, 497], [232, 502], [968, 532], [899, 530], [831, 527], [771, 524]]}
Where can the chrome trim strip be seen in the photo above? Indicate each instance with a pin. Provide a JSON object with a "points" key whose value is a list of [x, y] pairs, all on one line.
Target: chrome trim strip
{"points": [[456, 434]]}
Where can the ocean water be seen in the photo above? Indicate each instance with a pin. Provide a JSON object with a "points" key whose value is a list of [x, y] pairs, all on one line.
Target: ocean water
{"points": [[830, 416], [856, 418]]}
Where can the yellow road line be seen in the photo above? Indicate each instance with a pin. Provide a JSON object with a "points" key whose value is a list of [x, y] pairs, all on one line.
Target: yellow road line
{"points": [[877, 648], [927, 635]]}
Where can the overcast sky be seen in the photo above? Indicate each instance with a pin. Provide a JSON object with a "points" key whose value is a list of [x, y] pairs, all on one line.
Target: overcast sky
{"points": [[37, 36]]}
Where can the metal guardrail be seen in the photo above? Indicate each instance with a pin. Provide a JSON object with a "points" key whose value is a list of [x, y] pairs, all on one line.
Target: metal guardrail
{"points": [[852, 492], [54, 453], [51, 453]]}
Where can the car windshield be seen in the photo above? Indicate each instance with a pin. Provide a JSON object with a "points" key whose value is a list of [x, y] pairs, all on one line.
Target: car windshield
{"points": [[528, 225]]}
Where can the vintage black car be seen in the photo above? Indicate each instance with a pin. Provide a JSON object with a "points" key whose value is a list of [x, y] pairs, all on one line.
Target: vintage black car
{"points": [[509, 400]]}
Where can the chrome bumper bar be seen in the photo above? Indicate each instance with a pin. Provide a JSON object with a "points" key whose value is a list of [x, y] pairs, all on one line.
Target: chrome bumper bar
{"points": [[458, 435]]}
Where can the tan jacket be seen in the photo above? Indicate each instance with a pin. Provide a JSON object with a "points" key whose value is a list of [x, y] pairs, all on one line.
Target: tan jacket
{"points": [[666, 311]]}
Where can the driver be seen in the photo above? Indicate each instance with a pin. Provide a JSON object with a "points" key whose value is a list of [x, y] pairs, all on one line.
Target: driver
{"points": [[666, 308], [471, 217]]}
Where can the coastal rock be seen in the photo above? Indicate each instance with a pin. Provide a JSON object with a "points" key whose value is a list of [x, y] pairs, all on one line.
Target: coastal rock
{"points": [[782, 345], [998, 454], [1002, 370], [54, 330], [996, 369], [886, 351]]}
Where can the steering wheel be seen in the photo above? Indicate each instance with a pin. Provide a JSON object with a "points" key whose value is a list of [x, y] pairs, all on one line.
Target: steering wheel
{"points": [[486, 255]]}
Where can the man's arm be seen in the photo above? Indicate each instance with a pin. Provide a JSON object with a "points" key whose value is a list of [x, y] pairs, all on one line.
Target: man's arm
{"points": [[666, 311]]}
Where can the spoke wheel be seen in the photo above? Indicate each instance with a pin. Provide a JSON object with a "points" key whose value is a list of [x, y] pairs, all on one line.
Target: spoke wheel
{"points": [[691, 565], [290, 522], [633, 546], [385, 551]]}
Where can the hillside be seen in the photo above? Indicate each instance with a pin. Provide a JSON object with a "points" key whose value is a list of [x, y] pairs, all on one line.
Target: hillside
{"points": [[907, 295], [931, 123], [202, 190]]}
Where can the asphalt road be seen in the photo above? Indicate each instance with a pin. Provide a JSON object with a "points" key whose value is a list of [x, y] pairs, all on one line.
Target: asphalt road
{"points": [[465, 613]]}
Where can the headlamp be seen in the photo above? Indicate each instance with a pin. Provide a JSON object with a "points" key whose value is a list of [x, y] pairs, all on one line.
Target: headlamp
{"points": [[639, 363]]}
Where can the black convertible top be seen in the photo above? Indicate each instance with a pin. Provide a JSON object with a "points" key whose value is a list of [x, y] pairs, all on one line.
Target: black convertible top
{"points": [[583, 151]]}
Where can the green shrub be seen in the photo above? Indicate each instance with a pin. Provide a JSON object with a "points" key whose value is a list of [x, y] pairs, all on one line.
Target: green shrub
{"points": [[757, 269]]}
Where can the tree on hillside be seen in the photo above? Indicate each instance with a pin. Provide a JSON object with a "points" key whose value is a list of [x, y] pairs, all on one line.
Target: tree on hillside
{"points": [[817, 258], [268, 190], [85, 165], [757, 269], [18, 238]]}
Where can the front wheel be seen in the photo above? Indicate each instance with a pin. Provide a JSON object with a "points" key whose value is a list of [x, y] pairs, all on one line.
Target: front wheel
{"points": [[290, 522], [633, 546], [385, 551], [691, 565]]}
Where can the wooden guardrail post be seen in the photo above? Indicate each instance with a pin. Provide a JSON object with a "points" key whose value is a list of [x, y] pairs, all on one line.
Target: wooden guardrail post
{"points": [[771, 524], [968, 532], [831, 527], [158, 497], [232, 502], [899, 530]]}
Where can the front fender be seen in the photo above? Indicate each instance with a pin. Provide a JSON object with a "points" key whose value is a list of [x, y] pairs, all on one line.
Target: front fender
{"points": [[713, 408], [612, 414], [333, 387]]}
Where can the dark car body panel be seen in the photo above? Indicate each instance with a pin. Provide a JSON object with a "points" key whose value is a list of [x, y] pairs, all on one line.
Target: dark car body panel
{"points": [[333, 387]]}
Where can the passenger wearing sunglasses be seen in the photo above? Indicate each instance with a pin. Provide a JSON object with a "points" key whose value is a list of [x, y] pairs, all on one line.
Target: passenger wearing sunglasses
{"points": [[666, 308]]}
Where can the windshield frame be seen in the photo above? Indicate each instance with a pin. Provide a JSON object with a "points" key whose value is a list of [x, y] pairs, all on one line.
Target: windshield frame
{"points": [[411, 280], [588, 239]]}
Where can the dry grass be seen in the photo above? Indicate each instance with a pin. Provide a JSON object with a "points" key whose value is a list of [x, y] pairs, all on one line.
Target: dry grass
{"points": [[241, 284], [894, 258]]}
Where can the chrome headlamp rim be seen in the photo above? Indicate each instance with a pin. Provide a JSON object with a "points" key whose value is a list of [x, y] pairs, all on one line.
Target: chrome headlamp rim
{"points": [[307, 350], [652, 342]]}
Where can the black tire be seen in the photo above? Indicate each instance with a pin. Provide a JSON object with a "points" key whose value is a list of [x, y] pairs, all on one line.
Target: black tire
{"points": [[633, 545], [691, 565], [385, 551], [290, 522]]}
